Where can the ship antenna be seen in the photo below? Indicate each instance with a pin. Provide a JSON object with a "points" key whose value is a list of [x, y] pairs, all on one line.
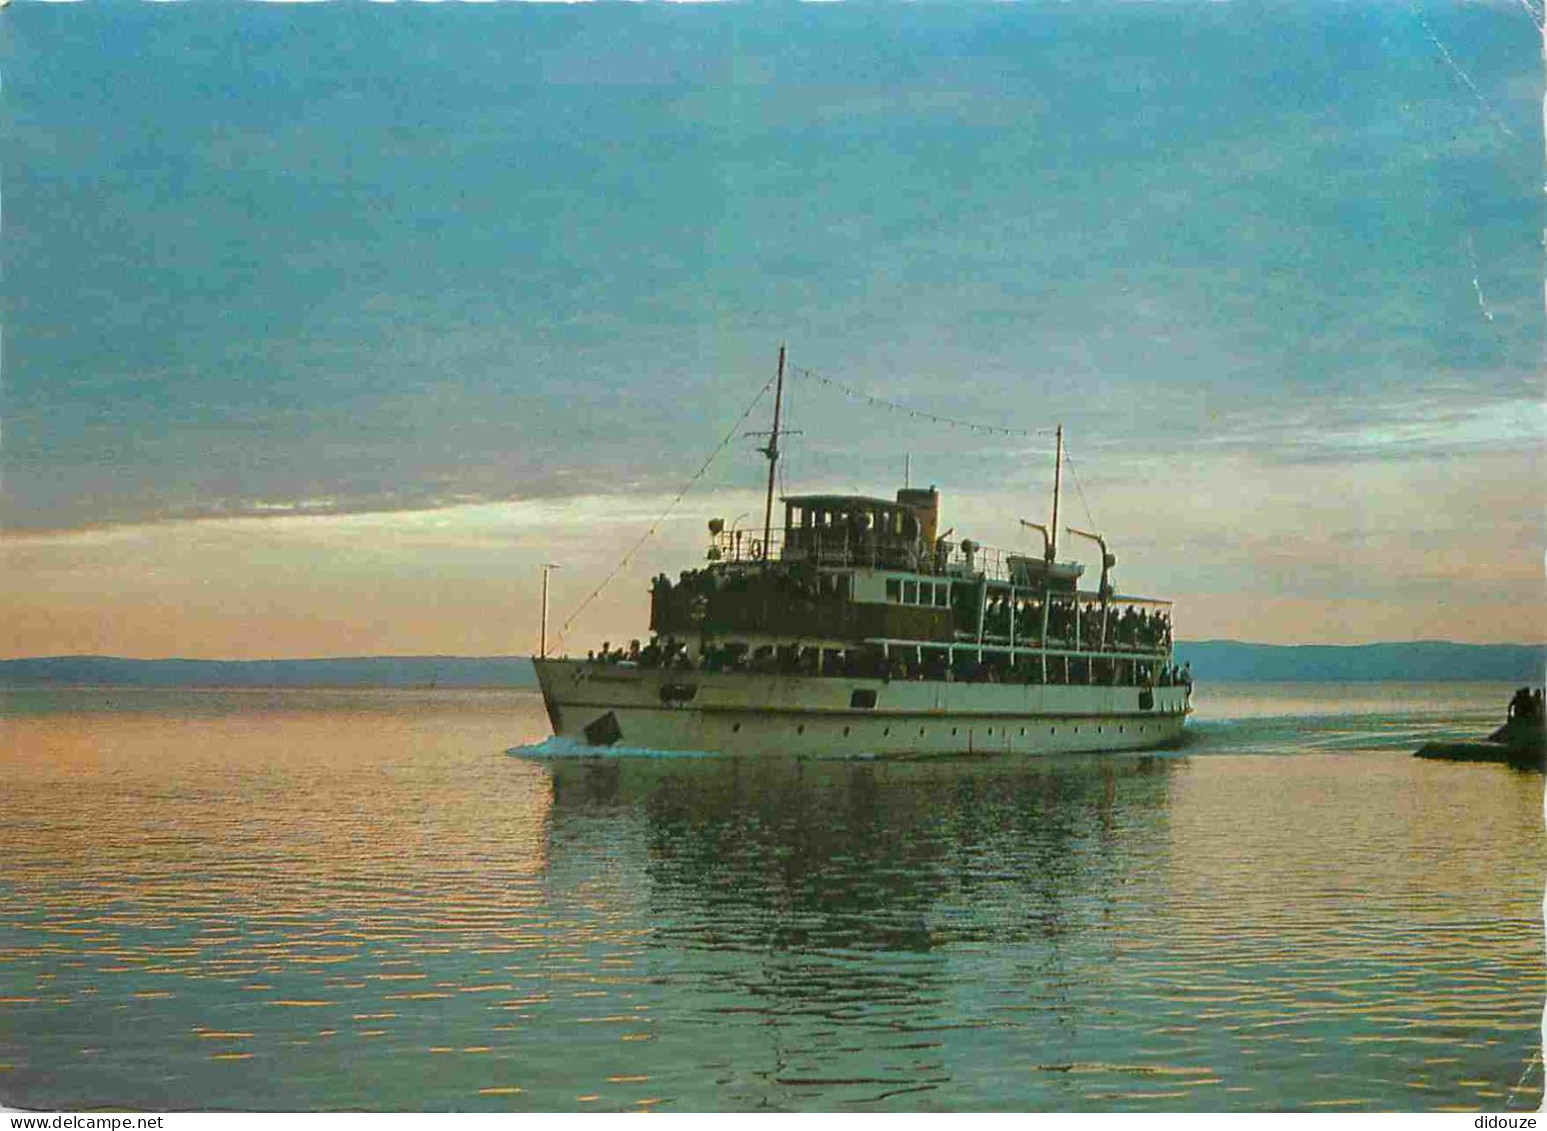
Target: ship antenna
{"points": [[1058, 482], [772, 452]]}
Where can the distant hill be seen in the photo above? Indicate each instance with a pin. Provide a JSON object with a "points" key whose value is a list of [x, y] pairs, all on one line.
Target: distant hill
{"points": [[1424, 661], [362, 671]]}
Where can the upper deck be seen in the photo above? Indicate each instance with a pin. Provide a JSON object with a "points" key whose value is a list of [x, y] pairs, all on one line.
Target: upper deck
{"points": [[857, 568], [963, 558], [861, 532]]}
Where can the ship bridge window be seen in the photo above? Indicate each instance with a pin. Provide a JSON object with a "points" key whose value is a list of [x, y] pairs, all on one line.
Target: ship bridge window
{"points": [[910, 592], [893, 589], [942, 595], [926, 593]]}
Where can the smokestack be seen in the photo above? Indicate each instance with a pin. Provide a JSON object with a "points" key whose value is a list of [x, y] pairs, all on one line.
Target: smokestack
{"points": [[925, 504]]}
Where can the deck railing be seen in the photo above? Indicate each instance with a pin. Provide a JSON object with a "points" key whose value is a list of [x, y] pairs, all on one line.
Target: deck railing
{"points": [[950, 559], [837, 548]]}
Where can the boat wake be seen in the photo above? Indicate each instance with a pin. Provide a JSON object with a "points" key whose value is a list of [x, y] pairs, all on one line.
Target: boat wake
{"points": [[553, 747]]}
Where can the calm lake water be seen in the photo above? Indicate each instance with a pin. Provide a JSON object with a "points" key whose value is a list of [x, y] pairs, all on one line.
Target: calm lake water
{"points": [[357, 899]]}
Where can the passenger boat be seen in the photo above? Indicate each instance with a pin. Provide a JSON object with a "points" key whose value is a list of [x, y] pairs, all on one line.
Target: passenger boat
{"points": [[859, 628]]}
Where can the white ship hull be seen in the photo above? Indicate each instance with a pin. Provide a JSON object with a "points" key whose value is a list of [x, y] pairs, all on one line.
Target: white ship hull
{"points": [[607, 704]]}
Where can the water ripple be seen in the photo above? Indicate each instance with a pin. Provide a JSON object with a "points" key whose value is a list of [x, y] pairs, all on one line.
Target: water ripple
{"points": [[352, 900]]}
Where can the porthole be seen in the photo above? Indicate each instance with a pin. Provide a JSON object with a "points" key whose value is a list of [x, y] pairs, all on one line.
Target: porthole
{"points": [[845, 732], [990, 730], [886, 730], [1023, 732], [735, 727], [921, 732], [801, 729], [1119, 730], [1076, 730], [953, 732]]}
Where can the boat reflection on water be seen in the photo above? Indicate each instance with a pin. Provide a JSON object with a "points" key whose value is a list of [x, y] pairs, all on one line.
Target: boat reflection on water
{"points": [[843, 933], [883, 854], [1066, 933]]}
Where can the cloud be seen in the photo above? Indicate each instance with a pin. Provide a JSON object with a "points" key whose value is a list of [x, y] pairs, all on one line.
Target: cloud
{"points": [[1437, 546], [456, 580], [1350, 429], [401, 298]]}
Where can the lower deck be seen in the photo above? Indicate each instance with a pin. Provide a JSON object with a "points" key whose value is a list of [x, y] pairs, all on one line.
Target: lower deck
{"points": [[816, 716]]}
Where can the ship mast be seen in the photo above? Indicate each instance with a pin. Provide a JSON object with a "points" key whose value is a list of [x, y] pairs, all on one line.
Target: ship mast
{"points": [[772, 452], [1058, 470], [542, 638]]}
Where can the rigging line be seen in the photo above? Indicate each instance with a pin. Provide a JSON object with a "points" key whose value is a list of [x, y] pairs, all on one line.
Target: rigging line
{"points": [[1461, 74], [686, 487], [882, 402], [1079, 490]]}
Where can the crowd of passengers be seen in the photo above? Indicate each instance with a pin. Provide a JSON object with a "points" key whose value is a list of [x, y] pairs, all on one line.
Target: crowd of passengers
{"points": [[1127, 629], [870, 662], [706, 582]]}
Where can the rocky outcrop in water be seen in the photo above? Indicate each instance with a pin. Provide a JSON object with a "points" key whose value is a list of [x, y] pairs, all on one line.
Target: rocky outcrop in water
{"points": [[1521, 742]]}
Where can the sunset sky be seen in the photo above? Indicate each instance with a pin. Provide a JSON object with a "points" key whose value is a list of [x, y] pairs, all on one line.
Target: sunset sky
{"points": [[326, 325]]}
